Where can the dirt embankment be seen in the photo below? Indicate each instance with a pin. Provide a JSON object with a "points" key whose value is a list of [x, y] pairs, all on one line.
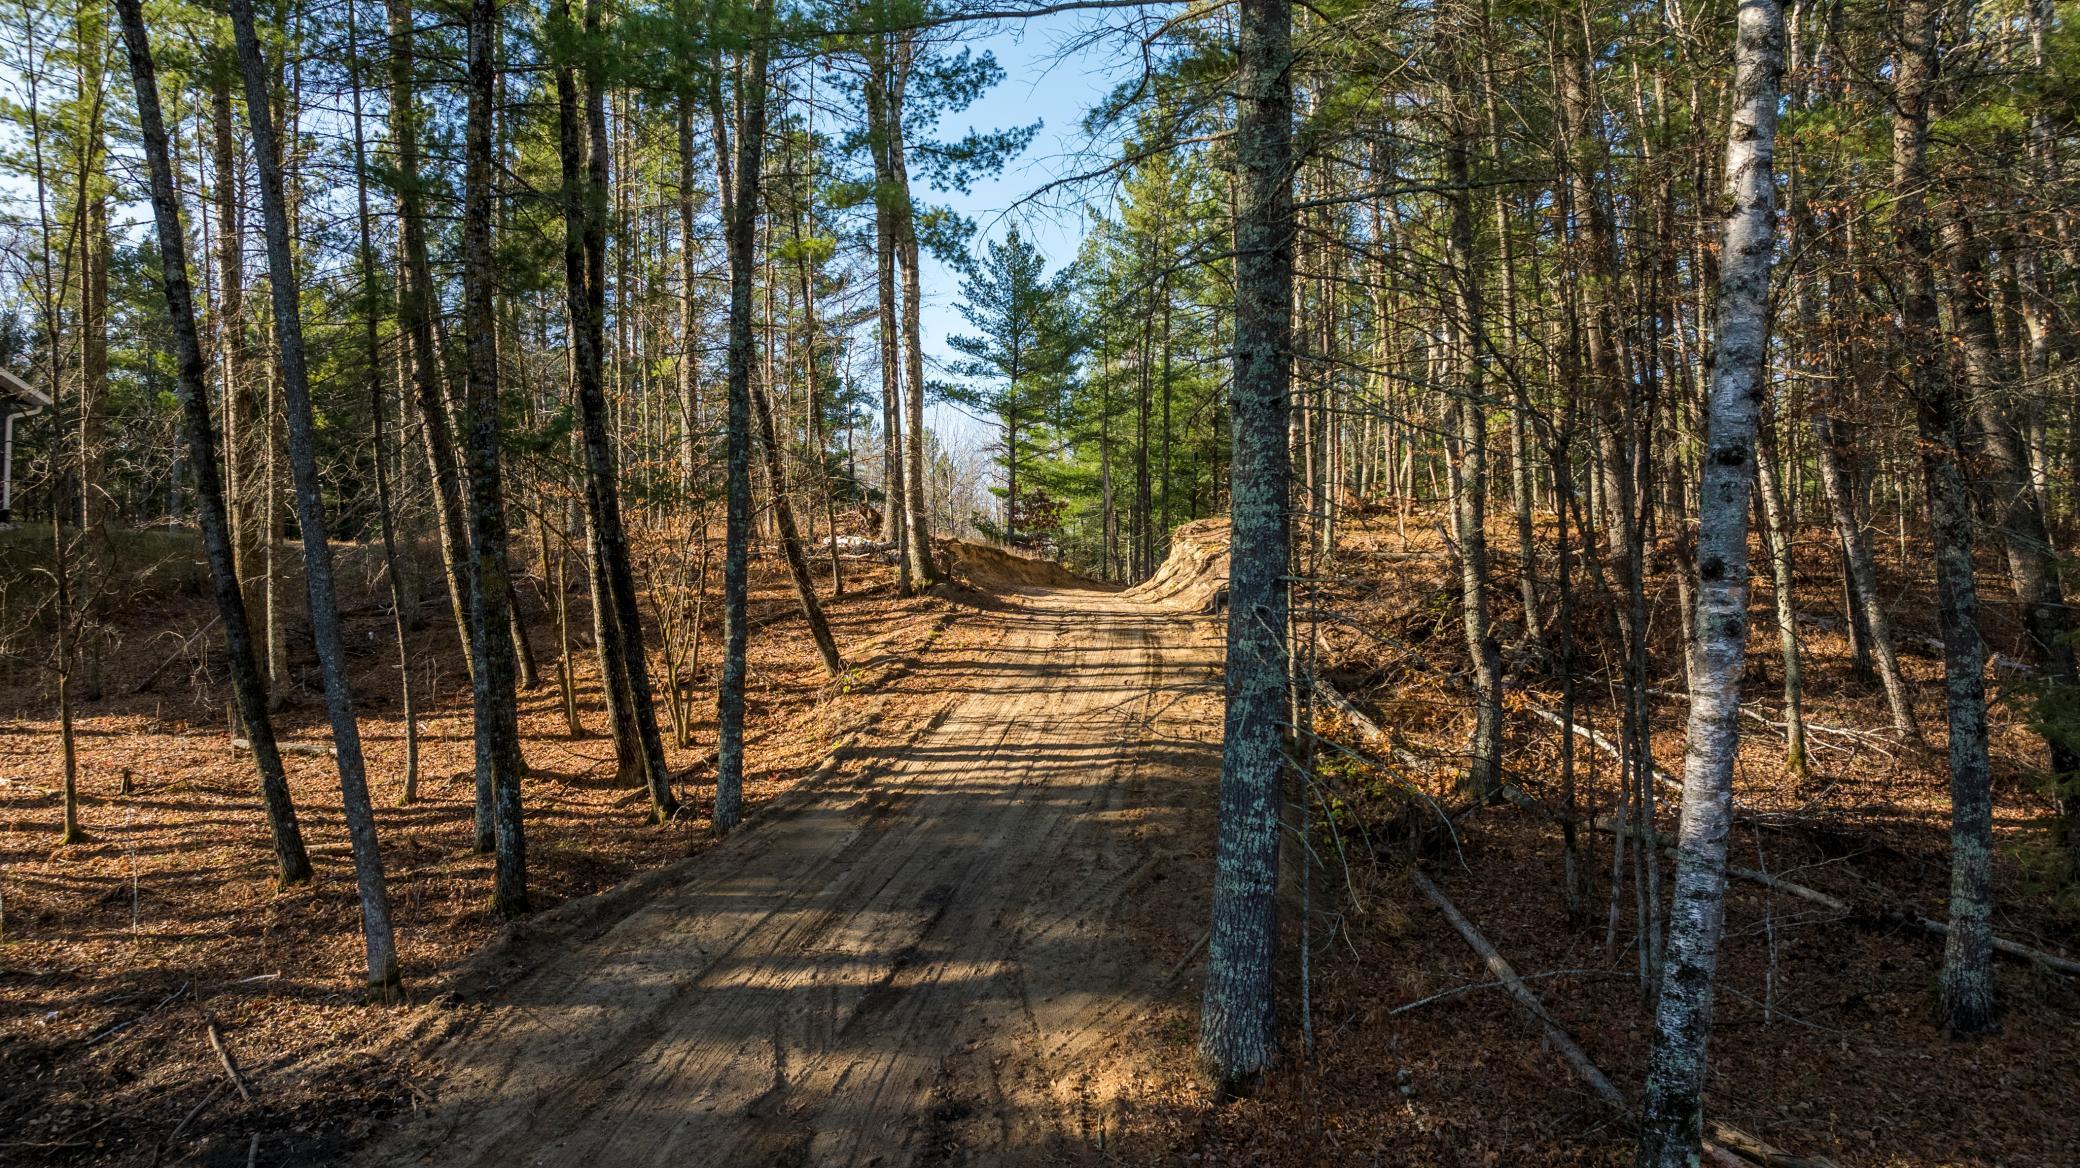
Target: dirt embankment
{"points": [[1195, 571], [994, 569]]}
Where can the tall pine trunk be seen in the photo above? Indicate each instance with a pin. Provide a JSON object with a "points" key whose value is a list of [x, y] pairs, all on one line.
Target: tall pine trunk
{"points": [[418, 308], [1967, 1005], [584, 211], [1236, 1023], [241, 410], [740, 224], [917, 534], [1469, 467], [292, 864], [384, 978], [491, 640], [790, 532], [372, 352]]}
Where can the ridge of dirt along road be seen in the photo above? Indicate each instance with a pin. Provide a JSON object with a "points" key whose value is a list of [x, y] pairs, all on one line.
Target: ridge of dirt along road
{"points": [[947, 950]]}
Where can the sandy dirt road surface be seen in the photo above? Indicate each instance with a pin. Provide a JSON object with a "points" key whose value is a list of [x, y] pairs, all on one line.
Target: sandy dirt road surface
{"points": [[948, 948]]}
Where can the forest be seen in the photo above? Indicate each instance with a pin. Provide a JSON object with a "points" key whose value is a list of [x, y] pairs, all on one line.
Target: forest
{"points": [[1085, 582]]}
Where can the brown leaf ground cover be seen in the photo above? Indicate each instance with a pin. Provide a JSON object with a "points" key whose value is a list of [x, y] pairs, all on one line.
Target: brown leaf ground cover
{"points": [[117, 953], [1825, 1042]]}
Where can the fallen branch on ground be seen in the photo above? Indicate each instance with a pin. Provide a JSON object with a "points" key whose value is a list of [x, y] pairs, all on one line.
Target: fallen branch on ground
{"points": [[186, 1120], [1724, 1143], [1607, 746], [179, 651], [1369, 732], [216, 1043], [312, 749], [1882, 915], [120, 1027], [1900, 916]]}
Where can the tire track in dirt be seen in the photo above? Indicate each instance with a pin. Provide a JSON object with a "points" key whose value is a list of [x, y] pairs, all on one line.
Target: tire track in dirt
{"points": [[925, 961]]}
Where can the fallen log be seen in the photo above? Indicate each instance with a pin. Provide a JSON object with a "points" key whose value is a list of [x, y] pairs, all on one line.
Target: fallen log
{"points": [[1724, 1143], [1507, 975], [180, 650], [1369, 732], [1899, 916], [311, 749], [1607, 746], [1884, 914]]}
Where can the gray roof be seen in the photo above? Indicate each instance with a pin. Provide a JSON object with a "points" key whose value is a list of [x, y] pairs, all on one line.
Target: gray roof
{"points": [[21, 394]]}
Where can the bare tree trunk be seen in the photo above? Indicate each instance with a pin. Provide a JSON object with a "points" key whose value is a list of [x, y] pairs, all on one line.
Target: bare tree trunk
{"points": [[1863, 576], [491, 589], [556, 578], [1967, 986], [882, 111], [1671, 1121], [92, 35], [689, 320], [1237, 1019], [740, 219], [790, 535], [917, 551], [372, 352], [1778, 545], [810, 377], [417, 310], [241, 411], [1469, 446], [584, 205], [384, 978], [2032, 557]]}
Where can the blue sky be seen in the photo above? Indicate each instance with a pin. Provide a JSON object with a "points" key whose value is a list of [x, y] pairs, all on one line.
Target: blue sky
{"points": [[1041, 84]]}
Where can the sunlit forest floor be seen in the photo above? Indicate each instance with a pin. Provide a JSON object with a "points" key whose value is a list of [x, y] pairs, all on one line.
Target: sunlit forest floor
{"points": [[1824, 1040], [116, 955]]}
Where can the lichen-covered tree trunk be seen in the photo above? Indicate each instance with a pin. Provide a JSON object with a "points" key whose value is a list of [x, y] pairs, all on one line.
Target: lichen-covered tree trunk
{"points": [[292, 863], [1236, 1025], [1967, 1005], [2008, 486], [491, 639], [740, 218], [384, 978], [1671, 1121]]}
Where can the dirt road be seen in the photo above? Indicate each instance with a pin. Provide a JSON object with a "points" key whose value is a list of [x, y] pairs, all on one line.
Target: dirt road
{"points": [[943, 951]]}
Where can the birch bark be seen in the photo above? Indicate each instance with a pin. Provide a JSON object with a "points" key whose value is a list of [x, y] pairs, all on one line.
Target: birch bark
{"points": [[1671, 1125]]}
